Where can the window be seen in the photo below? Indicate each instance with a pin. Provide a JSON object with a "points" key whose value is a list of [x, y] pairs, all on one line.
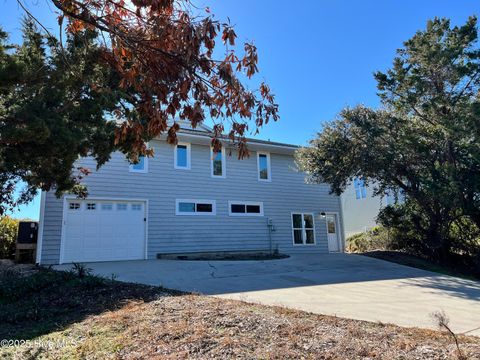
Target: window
{"points": [[91, 206], [245, 208], [195, 207], [360, 189], [263, 162], [389, 198], [121, 206], [182, 156], [136, 207], [331, 225], [107, 207], [393, 197], [218, 163], [141, 166], [74, 206], [303, 229]]}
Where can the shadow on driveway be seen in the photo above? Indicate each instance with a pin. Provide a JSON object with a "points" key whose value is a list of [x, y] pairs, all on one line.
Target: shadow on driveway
{"points": [[223, 277], [351, 286]]}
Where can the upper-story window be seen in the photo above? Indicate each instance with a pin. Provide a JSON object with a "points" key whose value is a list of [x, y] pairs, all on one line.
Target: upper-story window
{"points": [[389, 198], [182, 156], [360, 188], [393, 197], [218, 163], [141, 166], [263, 162]]}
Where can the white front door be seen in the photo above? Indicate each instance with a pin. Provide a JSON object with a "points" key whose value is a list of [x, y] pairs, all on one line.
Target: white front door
{"points": [[103, 230], [332, 234]]}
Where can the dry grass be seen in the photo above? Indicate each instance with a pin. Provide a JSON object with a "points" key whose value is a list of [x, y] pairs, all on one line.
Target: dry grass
{"points": [[199, 327]]}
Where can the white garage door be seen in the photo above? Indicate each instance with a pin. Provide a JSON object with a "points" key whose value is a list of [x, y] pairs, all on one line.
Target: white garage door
{"points": [[103, 231]]}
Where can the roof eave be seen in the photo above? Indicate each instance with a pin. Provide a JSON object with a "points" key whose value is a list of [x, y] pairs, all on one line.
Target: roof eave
{"points": [[204, 138]]}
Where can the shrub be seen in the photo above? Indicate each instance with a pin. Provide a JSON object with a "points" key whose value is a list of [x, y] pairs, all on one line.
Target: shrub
{"points": [[8, 236], [14, 286], [458, 247], [378, 238], [81, 270]]}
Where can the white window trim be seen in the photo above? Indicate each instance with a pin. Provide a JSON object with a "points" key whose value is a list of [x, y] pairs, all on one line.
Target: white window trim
{"points": [[145, 167], [231, 202], [359, 188], [224, 173], [188, 167], [268, 166], [304, 236], [195, 201]]}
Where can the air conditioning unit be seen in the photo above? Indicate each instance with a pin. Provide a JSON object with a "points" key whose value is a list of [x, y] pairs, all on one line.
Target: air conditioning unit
{"points": [[26, 246]]}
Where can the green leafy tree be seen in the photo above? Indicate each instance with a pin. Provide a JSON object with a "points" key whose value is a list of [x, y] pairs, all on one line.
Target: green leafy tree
{"points": [[424, 140], [52, 111], [8, 236]]}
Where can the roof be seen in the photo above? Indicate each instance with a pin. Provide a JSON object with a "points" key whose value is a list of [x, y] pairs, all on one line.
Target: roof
{"points": [[225, 137]]}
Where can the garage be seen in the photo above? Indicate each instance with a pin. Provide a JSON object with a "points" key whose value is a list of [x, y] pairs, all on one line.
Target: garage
{"points": [[103, 230]]}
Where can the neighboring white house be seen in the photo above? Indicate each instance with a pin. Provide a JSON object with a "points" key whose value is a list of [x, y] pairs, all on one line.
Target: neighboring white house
{"points": [[185, 199], [360, 207]]}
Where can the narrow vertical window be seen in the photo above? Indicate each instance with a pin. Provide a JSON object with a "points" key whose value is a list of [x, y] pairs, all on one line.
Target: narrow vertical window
{"points": [[182, 156], [140, 166], [263, 162], [218, 163], [360, 189]]}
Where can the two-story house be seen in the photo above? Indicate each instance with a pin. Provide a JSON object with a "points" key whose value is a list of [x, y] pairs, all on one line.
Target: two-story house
{"points": [[186, 199], [360, 207]]}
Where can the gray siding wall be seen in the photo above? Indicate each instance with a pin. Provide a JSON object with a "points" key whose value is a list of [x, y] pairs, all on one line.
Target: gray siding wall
{"points": [[359, 215], [162, 185]]}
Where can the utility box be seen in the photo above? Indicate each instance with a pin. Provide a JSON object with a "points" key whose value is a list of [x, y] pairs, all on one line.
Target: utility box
{"points": [[26, 241]]}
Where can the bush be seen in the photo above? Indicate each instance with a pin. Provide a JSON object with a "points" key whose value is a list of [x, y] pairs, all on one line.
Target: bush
{"points": [[8, 236], [457, 244], [378, 238], [15, 286]]}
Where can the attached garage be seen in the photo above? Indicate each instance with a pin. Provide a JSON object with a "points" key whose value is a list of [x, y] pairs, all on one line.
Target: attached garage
{"points": [[103, 230]]}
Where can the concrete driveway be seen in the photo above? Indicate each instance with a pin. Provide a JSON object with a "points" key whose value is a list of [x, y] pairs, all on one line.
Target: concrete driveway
{"points": [[350, 286]]}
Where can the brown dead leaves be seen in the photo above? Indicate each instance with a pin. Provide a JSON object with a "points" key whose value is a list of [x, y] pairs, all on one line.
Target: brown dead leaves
{"points": [[162, 53]]}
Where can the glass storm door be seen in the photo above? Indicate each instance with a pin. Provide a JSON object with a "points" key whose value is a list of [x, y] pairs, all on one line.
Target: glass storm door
{"points": [[332, 234]]}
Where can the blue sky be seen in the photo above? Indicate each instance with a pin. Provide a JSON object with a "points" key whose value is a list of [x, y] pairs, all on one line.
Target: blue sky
{"points": [[317, 56]]}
